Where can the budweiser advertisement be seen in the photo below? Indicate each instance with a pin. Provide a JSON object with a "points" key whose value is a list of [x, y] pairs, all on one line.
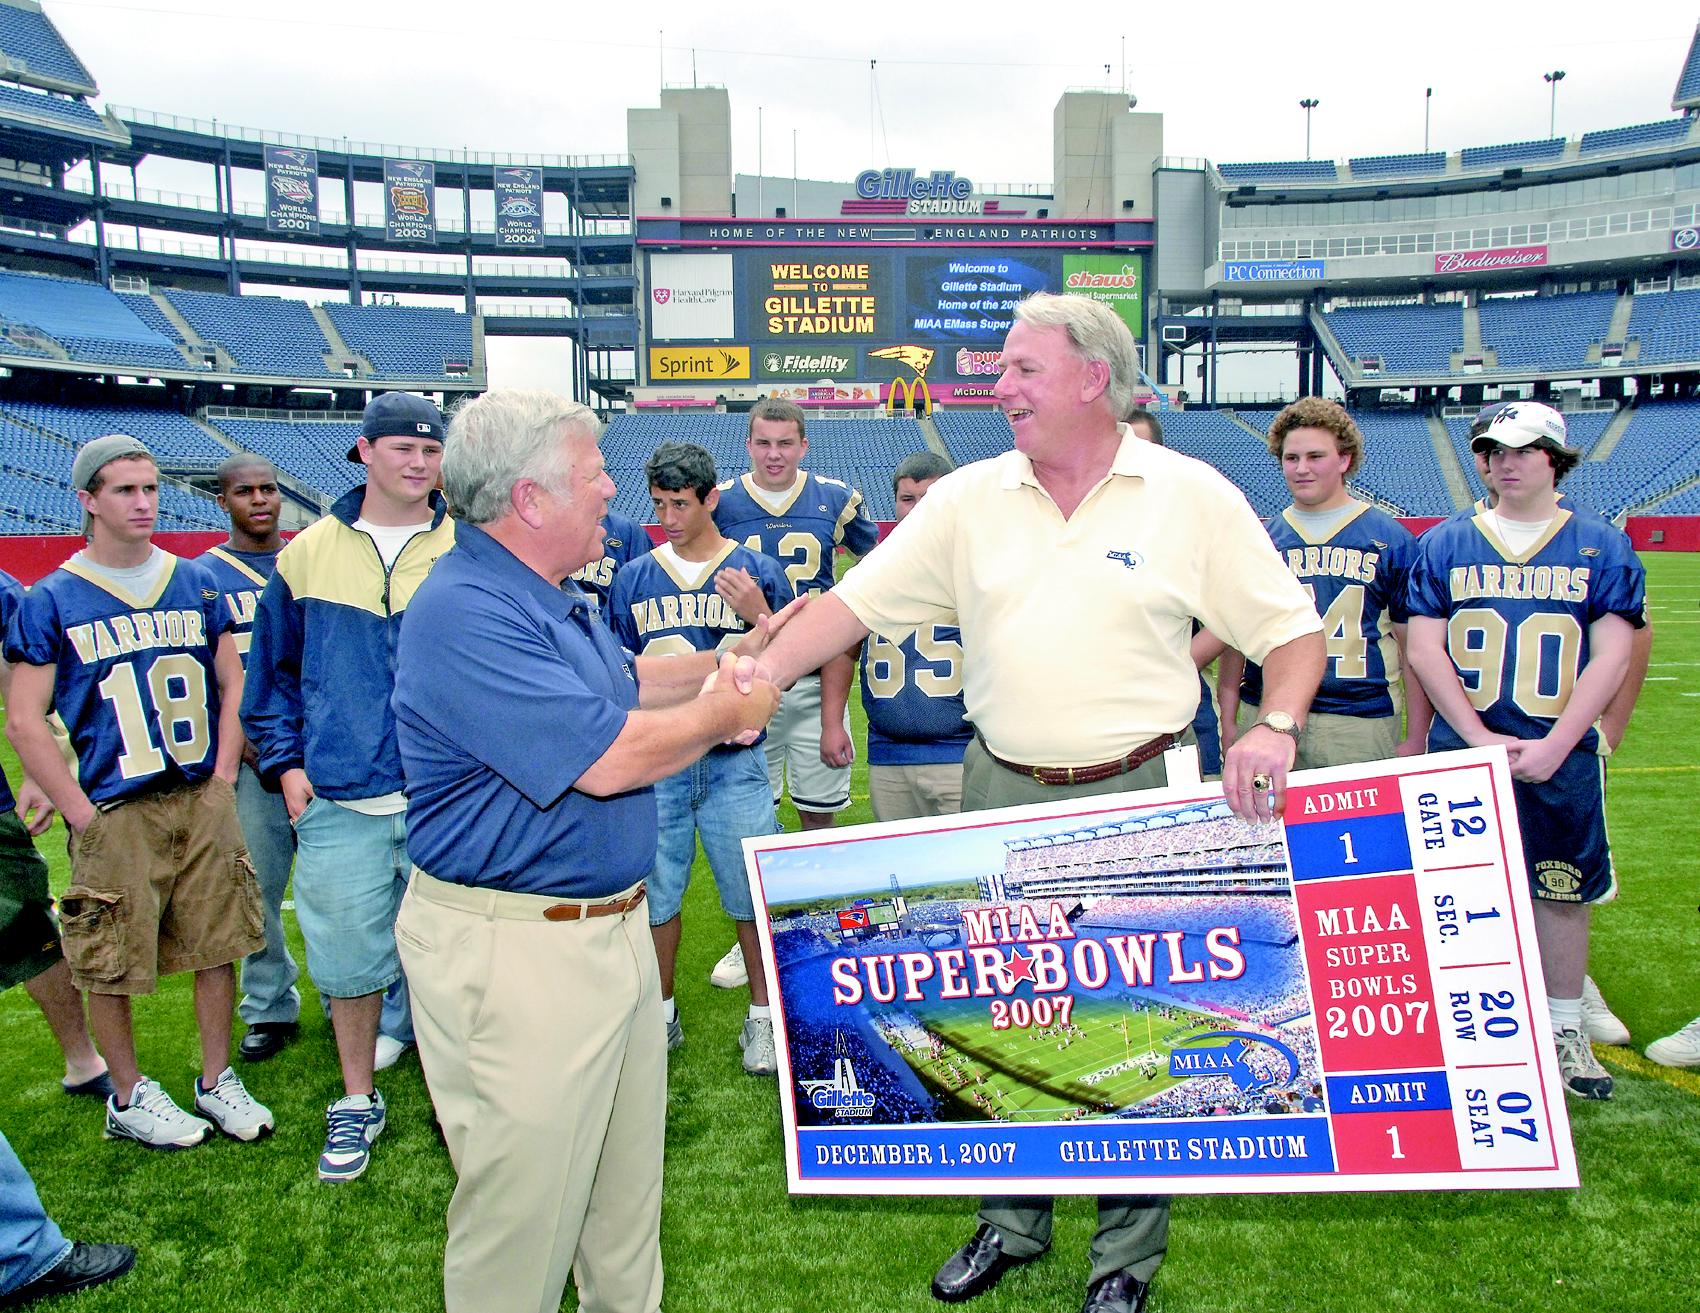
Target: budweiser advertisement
{"points": [[1503, 257]]}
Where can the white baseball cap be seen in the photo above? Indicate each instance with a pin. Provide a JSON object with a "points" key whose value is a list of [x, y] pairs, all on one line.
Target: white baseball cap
{"points": [[1524, 424]]}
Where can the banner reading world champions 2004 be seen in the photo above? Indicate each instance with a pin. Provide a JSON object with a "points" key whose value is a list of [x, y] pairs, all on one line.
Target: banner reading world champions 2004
{"points": [[292, 190], [519, 205], [410, 189], [1144, 994]]}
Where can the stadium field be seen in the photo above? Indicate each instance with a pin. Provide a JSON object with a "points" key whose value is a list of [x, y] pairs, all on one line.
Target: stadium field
{"points": [[234, 1227]]}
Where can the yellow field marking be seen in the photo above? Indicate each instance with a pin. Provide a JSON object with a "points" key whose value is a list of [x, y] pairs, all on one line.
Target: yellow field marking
{"points": [[1684, 1079], [1651, 770]]}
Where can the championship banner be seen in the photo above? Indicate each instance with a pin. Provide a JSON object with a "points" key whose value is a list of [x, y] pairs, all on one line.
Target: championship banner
{"points": [[292, 190], [1144, 994], [519, 206], [410, 188]]}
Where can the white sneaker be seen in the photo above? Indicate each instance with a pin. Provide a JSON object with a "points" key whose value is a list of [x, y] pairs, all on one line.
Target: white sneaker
{"points": [[154, 1119], [756, 1040], [1598, 1020], [388, 1052], [1583, 1075], [230, 1107], [729, 972], [1679, 1050]]}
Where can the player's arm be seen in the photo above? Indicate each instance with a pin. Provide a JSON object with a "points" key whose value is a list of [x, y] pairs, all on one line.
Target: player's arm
{"points": [[1609, 643], [34, 808], [1614, 724], [272, 713], [836, 746], [1291, 674], [1425, 649], [27, 705], [1419, 712], [1230, 671], [227, 668]]}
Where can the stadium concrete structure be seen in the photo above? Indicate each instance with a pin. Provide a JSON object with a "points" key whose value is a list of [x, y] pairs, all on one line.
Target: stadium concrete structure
{"points": [[1420, 285]]}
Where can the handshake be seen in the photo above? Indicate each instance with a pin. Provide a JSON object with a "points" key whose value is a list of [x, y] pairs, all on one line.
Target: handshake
{"points": [[741, 688]]}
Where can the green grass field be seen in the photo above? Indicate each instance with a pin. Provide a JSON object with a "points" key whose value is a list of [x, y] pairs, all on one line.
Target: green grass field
{"points": [[247, 1227]]}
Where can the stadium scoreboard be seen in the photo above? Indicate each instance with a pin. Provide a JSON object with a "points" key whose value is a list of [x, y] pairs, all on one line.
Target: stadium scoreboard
{"points": [[778, 302]]}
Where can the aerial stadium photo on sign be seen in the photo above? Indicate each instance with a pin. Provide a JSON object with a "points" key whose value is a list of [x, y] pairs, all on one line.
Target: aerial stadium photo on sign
{"points": [[1146, 987]]}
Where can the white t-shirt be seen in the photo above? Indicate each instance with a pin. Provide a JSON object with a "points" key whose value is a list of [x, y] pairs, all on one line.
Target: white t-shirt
{"points": [[1518, 535], [390, 538]]}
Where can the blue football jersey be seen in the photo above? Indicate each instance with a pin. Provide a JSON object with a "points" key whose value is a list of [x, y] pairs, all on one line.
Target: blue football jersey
{"points": [[626, 540], [1356, 579], [663, 605], [801, 528], [241, 578], [135, 681], [11, 598], [1517, 625], [912, 692]]}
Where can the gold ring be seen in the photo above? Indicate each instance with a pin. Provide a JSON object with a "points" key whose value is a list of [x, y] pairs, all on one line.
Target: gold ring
{"points": [[1262, 783]]}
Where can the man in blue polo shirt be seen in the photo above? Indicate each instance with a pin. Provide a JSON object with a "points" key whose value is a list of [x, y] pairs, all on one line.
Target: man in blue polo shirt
{"points": [[530, 740]]}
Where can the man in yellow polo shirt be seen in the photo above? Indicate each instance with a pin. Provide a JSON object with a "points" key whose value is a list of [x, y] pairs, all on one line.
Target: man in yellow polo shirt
{"points": [[1075, 565]]}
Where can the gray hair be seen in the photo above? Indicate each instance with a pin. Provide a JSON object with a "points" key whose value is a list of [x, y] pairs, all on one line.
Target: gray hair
{"points": [[1096, 332], [498, 439]]}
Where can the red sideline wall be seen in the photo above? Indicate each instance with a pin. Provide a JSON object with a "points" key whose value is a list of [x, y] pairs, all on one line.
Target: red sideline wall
{"points": [[29, 558]]}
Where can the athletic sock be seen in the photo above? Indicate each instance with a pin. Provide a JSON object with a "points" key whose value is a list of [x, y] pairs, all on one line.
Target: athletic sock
{"points": [[1566, 1013], [670, 1010], [760, 1012]]}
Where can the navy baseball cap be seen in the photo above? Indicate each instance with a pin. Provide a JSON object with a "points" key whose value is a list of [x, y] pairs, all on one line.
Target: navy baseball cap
{"points": [[398, 414], [1484, 417]]}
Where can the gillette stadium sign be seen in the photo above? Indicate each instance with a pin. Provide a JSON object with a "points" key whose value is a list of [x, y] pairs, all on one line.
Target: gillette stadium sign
{"points": [[938, 192]]}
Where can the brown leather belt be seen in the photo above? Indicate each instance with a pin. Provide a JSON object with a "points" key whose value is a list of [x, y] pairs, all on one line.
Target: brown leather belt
{"points": [[1104, 770], [578, 911]]}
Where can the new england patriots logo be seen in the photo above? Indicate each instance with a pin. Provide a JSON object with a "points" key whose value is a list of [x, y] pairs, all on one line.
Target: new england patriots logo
{"points": [[290, 153], [1131, 559], [412, 168], [520, 175]]}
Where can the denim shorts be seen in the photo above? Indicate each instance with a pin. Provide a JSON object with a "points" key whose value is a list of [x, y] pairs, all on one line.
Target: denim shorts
{"points": [[724, 798], [351, 870]]}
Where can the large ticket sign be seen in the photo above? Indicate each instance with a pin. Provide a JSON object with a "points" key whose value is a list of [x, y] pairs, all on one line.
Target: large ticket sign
{"points": [[1142, 993], [292, 190], [410, 192]]}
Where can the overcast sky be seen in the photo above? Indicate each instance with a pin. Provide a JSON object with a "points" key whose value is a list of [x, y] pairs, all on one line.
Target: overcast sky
{"points": [[958, 87]]}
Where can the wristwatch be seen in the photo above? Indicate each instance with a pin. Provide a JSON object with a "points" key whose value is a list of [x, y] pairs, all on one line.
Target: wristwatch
{"points": [[1281, 723]]}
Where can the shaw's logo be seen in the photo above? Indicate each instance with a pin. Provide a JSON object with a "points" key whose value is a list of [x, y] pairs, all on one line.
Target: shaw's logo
{"points": [[1082, 279], [843, 1095], [1231, 1060]]}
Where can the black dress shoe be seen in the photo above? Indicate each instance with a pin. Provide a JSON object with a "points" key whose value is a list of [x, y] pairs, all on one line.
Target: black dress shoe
{"points": [[86, 1265], [1120, 1292], [976, 1267], [265, 1039]]}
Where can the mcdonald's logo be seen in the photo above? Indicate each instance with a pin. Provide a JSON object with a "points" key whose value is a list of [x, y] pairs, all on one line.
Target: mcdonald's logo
{"points": [[909, 394]]}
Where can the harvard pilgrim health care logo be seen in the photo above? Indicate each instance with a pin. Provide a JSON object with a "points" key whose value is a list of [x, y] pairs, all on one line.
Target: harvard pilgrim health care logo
{"points": [[662, 295]]}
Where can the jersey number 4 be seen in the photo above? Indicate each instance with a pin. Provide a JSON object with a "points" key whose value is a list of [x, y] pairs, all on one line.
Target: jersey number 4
{"points": [[1343, 628], [177, 684]]}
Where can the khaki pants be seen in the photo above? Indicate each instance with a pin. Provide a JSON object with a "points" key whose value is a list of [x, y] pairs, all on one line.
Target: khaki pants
{"points": [[1330, 740], [545, 1053], [1133, 1230], [907, 793]]}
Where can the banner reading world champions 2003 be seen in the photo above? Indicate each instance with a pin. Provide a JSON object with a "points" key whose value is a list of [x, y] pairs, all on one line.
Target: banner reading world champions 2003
{"points": [[410, 189], [519, 205], [1144, 994], [292, 190]]}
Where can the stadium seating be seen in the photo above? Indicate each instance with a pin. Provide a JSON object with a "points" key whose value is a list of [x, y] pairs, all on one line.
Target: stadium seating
{"points": [[1688, 85], [1280, 171], [1408, 339], [263, 334], [971, 435], [144, 308], [1545, 332], [35, 486], [1515, 152], [405, 341], [1399, 464], [174, 439], [315, 453], [1667, 325], [90, 322], [27, 36], [1635, 137], [1658, 452], [1214, 438], [1387, 166], [72, 113]]}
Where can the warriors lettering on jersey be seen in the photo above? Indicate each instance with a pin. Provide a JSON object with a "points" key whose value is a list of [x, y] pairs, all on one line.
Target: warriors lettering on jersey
{"points": [[1518, 623], [912, 692], [135, 679], [1356, 578], [800, 527], [242, 578], [624, 540]]}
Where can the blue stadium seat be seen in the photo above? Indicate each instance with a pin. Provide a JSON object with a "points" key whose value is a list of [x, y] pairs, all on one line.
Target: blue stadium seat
{"points": [[174, 439], [405, 342], [28, 36], [1667, 324], [1515, 152], [1280, 171], [314, 453], [1386, 166], [1545, 332], [1635, 137], [1658, 452], [90, 322], [15, 101], [1408, 339], [263, 334]]}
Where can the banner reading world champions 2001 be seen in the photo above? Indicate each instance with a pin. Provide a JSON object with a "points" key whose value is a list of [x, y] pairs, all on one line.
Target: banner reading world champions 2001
{"points": [[1144, 994], [292, 190], [519, 205], [410, 189]]}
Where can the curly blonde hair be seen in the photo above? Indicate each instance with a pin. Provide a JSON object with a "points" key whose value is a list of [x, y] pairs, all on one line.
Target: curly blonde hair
{"points": [[1319, 413]]}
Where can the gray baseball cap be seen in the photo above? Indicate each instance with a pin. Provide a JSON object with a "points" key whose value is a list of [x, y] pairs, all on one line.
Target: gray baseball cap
{"points": [[97, 455]]}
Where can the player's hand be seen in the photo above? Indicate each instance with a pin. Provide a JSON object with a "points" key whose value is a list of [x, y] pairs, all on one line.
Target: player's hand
{"points": [[79, 820], [837, 749], [32, 799], [1229, 732], [745, 671], [297, 792], [1259, 752], [751, 707], [250, 756], [1535, 762], [1411, 747], [742, 593]]}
